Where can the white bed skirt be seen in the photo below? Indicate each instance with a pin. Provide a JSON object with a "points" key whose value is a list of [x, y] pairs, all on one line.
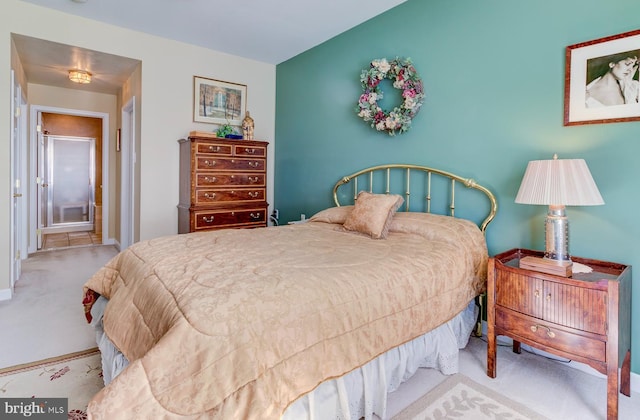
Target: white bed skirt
{"points": [[362, 392]]}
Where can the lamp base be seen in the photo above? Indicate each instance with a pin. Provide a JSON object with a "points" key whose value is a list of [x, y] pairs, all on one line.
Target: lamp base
{"points": [[556, 228], [546, 265]]}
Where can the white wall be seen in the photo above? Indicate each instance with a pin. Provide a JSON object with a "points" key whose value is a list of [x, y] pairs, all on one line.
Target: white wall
{"points": [[168, 68]]}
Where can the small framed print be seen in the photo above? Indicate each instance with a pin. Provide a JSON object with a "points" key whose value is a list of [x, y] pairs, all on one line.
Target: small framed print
{"points": [[218, 102], [601, 80]]}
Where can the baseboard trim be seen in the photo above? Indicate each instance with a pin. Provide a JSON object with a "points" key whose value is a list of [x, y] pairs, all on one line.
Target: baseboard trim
{"points": [[5, 294], [635, 378]]}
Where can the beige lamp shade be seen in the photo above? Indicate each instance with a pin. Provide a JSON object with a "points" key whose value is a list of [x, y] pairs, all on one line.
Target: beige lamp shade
{"points": [[558, 182]]}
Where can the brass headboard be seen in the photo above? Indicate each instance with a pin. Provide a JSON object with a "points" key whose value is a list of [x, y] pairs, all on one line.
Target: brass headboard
{"points": [[390, 178]]}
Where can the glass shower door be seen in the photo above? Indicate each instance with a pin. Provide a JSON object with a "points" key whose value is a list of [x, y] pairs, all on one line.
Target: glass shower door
{"points": [[69, 181]]}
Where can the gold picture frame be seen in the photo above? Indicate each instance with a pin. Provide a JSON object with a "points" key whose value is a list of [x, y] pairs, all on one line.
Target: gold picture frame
{"points": [[588, 63], [218, 102]]}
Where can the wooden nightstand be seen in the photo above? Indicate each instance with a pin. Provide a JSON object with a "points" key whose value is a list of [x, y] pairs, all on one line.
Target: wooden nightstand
{"points": [[586, 317]]}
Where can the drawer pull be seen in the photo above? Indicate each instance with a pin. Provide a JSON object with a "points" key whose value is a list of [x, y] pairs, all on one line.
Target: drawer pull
{"points": [[254, 215], [254, 164], [207, 219], [549, 297], [214, 148], [537, 293], [210, 163], [253, 194], [550, 333], [210, 179], [210, 196], [253, 178], [250, 151]]}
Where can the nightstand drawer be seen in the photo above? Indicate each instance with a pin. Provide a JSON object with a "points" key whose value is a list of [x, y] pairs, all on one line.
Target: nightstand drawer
{"points": [[548, 334], [582, 308]]}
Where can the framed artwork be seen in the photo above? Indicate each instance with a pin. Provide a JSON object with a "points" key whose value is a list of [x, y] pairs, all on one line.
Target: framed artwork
{"points": [[601, 80], [218, 102]]}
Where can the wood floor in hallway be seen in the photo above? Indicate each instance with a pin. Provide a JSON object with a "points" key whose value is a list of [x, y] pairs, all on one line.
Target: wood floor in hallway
{"points": [[66, 240]]}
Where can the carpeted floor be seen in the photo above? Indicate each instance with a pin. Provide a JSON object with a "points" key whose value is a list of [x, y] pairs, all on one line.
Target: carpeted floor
{"points": [[45, 318]]}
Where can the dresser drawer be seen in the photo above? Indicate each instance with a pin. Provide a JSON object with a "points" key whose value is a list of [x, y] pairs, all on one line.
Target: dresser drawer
{"points": [[222, 179], [211, 196], [247, 150], [548, 334], [214, 148], [228, 218], [212, 163]]}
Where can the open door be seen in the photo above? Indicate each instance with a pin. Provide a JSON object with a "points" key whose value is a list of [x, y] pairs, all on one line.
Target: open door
{"points": [[18, 205]]}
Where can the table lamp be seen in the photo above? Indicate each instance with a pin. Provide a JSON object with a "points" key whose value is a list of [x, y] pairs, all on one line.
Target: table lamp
{"points": [[558, 183]]}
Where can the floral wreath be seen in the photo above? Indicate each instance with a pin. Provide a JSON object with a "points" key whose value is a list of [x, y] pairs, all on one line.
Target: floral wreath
{"points": [[405, 77]]}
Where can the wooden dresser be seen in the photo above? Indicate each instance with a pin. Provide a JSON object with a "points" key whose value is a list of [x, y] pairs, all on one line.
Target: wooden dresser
{"points": [[223, 183], [586, 317]]}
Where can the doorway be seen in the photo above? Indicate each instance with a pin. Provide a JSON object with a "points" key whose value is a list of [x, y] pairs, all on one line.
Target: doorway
{"points": [[67, 193], [68, 161]]}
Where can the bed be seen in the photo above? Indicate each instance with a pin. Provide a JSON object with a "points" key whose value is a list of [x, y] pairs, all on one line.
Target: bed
{"points": [[311, 320]]}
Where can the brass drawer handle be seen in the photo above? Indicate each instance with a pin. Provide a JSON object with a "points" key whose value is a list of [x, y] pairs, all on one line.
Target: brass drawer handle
{"points": [[207, 219], [210, 163], [210, 196], [255, 215], [254, 164], [214, 148], [550, 333], [210, 179], [253, 178], [253, 194], [250, 151]]}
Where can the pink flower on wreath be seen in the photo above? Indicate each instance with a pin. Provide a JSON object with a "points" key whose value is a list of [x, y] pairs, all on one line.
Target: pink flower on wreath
{"points": [[409, 93]]}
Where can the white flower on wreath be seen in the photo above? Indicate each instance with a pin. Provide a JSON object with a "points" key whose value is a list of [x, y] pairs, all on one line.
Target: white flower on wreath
{"points": [[382, 65]]}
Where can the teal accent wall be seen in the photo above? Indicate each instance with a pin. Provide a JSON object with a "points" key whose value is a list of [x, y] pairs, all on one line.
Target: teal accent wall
{"points": [[493, 72]]}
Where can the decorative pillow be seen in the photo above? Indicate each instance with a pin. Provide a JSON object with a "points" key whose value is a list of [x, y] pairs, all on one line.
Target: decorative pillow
{"points": [[332, 215], [372, 214]]}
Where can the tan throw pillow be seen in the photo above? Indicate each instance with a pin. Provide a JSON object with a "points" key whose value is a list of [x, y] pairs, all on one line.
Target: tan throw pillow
{"points": [[372, 214], [332, 215]]}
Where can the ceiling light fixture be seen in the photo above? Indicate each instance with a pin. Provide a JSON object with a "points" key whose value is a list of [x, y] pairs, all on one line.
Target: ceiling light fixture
{"points": [[80, 76]]}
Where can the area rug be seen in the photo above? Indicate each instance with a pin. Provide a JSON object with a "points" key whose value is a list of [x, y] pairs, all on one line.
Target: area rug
{"points": [[458, 397], [76, 376]]}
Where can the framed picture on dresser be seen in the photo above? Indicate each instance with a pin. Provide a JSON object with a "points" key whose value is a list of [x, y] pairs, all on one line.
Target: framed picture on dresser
{"points": [[218, 102], [601, 80]]}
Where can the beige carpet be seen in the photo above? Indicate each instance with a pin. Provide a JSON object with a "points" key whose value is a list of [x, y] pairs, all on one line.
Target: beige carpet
{"points": [[458, 397], [76, 376]]}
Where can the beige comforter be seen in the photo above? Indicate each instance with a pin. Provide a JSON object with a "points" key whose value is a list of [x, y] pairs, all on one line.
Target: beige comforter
{"points": [[237, 324]]}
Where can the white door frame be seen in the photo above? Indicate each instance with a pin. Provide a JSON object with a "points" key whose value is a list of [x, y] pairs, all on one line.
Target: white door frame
{"points": [[18, 165], [127, 174], [34, 182]]}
